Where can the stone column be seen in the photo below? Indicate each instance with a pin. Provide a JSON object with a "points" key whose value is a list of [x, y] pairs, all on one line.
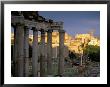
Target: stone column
{"points": [[26, 51], [35, 52], [15, 70], [49, 52], [61, 52], [42, 55], [20, 49]]}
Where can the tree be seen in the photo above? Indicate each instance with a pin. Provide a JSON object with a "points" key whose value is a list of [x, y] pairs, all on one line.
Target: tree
{"points": [[93, 52]]}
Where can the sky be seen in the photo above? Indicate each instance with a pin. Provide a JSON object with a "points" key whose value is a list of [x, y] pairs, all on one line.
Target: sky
{"points": [[76, 22]]}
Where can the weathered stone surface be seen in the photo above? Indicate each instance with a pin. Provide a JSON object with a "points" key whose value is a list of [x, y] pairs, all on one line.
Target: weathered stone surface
{"points": [[35, 53]]}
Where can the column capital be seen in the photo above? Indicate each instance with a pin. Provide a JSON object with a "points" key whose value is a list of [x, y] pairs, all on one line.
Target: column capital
{"points": [[34, 29], [17, 19], [61, 31], [13, 24], [42, 31], [19, 24], [49, 31], [26, 27]]}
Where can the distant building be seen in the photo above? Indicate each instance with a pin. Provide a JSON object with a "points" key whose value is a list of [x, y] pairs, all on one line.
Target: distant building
{"points": [[95, 42]]}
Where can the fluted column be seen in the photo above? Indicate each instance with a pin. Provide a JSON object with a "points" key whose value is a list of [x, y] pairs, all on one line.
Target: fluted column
{"points": [[61, 52], [35, 52], [20, 49], [42, 56], [49, 52], [26, 51]]}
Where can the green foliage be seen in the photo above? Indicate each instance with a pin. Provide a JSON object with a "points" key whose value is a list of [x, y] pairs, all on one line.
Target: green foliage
{"points": [[92, 49], [93, 52]]}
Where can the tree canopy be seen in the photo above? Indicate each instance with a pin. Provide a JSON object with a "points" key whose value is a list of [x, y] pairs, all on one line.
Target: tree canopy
{"points": [[93, 52]]}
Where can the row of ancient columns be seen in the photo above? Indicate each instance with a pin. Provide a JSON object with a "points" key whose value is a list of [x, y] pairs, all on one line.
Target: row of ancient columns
{"points": [[21, 51]]}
